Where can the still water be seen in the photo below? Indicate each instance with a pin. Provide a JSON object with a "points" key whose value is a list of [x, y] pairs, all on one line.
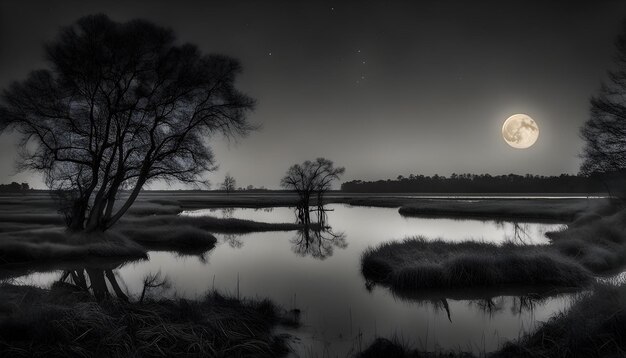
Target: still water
{"points": [[339, 314]]}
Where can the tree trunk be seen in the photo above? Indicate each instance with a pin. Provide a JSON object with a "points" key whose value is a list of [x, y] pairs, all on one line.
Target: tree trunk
{"points": [[131, 199], [77, 216], [110, 203], [98, 284], [116, 287], [95, 216]]}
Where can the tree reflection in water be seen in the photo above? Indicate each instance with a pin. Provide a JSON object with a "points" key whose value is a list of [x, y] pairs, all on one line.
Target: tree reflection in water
{"points": [[526, 303], [233, 240], [316, 239], [520, 234], [94, 281], [488, 301], [489, 305], [227, 213], [97, 281]]}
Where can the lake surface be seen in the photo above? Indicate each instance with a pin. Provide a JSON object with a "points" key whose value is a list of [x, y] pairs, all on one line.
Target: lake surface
{"points": [[340, 315]]}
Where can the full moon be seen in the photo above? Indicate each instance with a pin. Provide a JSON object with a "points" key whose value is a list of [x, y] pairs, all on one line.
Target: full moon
{"points": [[520, 131]]}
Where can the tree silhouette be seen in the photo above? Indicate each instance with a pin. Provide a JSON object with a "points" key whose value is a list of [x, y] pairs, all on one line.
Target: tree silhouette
{"points": [[308, 178], [605, 131], [228, 184], [121, 105]]}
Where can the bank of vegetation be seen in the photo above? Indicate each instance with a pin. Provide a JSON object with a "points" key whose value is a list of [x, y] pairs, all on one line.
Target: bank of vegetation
{"points": [[65, 321], [559, 210], [41, 237], [417, 263], [594, 243]]}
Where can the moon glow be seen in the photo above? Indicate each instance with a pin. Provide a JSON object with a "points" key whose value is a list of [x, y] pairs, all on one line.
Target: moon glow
{"points": [[520, 131]]}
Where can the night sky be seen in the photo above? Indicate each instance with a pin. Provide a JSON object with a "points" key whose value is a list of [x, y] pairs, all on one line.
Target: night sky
{"points": [[380, 87]]}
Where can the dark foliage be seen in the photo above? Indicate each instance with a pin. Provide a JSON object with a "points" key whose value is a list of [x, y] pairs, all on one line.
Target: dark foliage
{"points": [[605, 131], [14, 187]]}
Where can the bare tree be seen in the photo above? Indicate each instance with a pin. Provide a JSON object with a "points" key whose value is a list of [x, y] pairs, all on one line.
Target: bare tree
{"points": [[605, 131], [121, 105], [228, 184], [311, 178]]}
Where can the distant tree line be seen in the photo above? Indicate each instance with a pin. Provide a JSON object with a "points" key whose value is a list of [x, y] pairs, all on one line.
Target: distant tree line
{"points": [[14, 187], [482, 183]]}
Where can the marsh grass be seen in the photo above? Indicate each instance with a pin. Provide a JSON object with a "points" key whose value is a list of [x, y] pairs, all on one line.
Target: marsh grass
{"points": [[21, 241], [172, 237], [209, 223], [421, 264], [41, 218], [65, 321], [597, 242], [57, 244], [527, 209], [131, 238]]}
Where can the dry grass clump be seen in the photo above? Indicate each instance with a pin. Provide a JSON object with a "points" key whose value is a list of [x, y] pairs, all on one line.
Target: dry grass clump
{"points": [[66, 321], [417, 264]]}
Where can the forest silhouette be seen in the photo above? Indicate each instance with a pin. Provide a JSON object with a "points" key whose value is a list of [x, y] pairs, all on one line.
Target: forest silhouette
{"points": [[484, 183]]}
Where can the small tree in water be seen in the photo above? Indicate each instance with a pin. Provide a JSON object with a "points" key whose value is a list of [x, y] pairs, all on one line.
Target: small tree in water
{"points": [[121, 105], [228, 184], [308, 179]]}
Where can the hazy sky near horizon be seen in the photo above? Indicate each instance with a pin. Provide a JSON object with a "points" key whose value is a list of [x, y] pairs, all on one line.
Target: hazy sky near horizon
{"points": [[380, 87]]}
